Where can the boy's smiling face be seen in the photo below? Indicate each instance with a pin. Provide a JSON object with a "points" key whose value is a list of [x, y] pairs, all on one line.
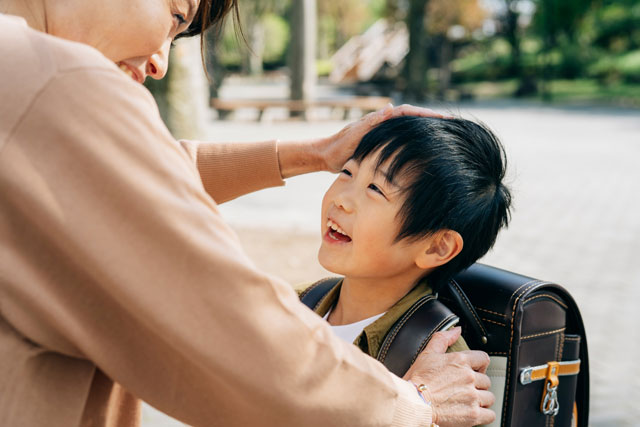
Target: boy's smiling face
{"points": [[360, 224]]}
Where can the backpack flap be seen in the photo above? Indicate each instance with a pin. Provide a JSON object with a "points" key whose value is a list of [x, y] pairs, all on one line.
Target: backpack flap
{"points": [[523, 323], [563, 379], [539, 325]]}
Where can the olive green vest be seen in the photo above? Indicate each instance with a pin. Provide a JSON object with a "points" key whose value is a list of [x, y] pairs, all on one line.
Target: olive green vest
{"points": [[371, 338]]}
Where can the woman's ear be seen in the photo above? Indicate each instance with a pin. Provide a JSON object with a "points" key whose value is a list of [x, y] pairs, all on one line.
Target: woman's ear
{"points": [[441, 248]]}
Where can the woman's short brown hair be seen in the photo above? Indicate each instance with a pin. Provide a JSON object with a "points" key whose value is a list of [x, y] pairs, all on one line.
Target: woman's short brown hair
{"points": [[210, 13]]}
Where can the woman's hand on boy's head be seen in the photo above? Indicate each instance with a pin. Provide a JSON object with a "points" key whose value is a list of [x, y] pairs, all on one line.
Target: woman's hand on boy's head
{"points": [[338, 148], [455, 382]]}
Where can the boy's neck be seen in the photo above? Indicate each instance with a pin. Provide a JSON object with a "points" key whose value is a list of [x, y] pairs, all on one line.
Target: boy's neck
{"points": [[360, 299]]}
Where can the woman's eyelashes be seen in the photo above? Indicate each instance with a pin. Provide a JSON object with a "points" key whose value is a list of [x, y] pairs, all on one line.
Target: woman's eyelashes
{"points": [[180, 21], [346, 171], [180, 18]]}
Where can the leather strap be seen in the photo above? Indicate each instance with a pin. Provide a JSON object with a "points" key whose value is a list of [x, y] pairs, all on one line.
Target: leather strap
{"points": [[540, 372], [312, 296], [480, 336], [411, 333]]}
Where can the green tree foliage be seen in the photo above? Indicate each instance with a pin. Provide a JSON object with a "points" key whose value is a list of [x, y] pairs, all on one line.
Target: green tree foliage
{"points": [[615, 25], [590, 38], [264, 32], [557, 23], [338, 21], [450, 22], [613, 31], [277, 35], [560, 18], [430, 24]]}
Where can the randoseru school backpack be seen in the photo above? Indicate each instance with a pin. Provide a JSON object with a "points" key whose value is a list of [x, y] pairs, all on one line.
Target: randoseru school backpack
{"points": [[531, 329]]}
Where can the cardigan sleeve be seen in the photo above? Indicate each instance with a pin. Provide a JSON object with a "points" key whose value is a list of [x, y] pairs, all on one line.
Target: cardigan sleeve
{"points": [[120, 257], [229, 170]]}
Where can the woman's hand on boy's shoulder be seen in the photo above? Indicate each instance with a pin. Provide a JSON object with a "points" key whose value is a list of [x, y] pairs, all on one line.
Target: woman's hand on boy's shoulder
{"points": [[456, 383], [338, 148]]}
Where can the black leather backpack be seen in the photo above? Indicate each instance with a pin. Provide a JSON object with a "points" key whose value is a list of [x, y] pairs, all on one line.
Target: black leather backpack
{"points": [[531, 329]]}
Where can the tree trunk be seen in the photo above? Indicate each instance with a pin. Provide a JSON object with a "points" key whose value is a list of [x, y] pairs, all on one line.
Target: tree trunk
{"points": [[415, 68], [187, 94], [446, 55], [256, 41], [549, 43], [215, 70], [303, 50], [511, 33], [182, 94]]}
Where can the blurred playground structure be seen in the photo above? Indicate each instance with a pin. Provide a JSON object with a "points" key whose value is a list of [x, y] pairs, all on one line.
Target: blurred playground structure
{"points": [[382, 45]]}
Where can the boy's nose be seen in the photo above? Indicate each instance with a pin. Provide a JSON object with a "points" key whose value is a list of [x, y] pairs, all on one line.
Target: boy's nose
{"points": [[343, 202]]}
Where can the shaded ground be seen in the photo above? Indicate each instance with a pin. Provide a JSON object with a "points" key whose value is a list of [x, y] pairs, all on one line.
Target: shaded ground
{"points": [[575, 176]]}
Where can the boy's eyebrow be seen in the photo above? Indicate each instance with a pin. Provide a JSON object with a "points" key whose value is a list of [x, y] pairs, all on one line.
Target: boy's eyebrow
{"points": [[387, 177]]}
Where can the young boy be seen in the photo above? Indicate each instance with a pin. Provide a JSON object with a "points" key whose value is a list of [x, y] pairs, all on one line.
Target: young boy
{"points": [[420, 200]]}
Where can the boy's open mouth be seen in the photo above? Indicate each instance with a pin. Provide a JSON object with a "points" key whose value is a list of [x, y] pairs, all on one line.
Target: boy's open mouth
{"points": [[336, 233]]}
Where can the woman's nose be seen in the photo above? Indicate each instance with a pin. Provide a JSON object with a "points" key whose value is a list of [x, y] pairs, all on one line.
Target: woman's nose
{"points": [[158, 63]]}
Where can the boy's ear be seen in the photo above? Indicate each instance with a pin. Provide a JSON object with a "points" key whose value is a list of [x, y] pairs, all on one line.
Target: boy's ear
{"points": [[441, 248]]}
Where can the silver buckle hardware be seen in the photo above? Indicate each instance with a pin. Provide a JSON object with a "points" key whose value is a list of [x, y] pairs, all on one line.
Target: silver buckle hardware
{"points": [[550, 372], [525, 376], [550, 404]]}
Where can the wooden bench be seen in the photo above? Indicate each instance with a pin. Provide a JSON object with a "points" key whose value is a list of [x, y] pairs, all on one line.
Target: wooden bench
{"points": [[365, 104]]}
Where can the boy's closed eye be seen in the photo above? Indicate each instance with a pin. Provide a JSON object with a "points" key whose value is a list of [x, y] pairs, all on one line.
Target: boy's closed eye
{"points": [[377, 189], [374, 187]]}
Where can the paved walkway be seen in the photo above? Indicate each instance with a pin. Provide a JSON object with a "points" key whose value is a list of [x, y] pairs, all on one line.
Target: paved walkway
{"points": [[575, 175]]}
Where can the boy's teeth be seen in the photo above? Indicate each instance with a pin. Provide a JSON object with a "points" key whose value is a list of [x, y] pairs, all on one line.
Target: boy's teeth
{"points": [[335, 227]]}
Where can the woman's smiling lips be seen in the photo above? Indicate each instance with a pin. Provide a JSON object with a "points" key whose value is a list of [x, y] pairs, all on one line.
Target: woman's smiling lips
{"points": [[131, 72]]}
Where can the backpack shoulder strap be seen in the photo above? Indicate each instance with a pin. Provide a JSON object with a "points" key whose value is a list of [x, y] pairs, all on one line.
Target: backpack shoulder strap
{"points": [[410, 334], [312, 296]]}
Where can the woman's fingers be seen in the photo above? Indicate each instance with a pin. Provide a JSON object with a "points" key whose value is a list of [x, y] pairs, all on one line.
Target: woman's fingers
{"points": [[402, 110], [485, 416], [457, 385], [335, 150], [487, 399], [482, 381], [412, 110], [478, 360]]}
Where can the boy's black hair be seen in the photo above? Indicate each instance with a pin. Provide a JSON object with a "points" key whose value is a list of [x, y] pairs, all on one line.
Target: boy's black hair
{"points": [[454, 169]]}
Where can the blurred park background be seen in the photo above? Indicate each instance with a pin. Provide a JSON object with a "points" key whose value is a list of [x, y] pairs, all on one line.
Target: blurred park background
{"points": [[562, 51], [557, 80]]}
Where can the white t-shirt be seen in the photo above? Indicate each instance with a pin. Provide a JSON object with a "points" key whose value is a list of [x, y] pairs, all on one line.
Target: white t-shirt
{"points": [[351, 331]]}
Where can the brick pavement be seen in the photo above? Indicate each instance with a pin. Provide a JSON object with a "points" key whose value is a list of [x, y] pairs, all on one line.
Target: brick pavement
{"points": [[575, 176]]}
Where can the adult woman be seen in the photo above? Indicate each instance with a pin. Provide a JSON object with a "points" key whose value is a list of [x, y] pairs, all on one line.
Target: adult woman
{"points": [[119, 279]]}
